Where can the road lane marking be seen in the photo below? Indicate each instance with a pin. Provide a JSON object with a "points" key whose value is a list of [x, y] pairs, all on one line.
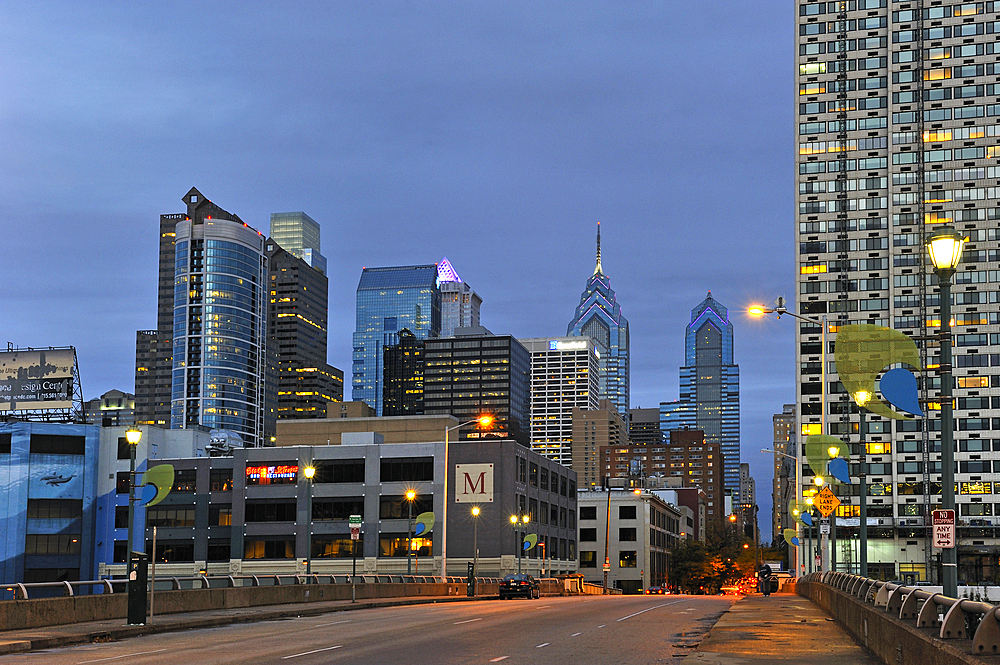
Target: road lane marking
{"points": [[468, 621], [575, 634], [497, 660], [320, 625], [124, 655], [306, 653], [543, 644], [602, 625], [648, 609]]}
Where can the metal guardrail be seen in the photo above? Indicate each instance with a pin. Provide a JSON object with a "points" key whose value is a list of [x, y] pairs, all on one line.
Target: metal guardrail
{"points": [[954, 618], [21, 590]]}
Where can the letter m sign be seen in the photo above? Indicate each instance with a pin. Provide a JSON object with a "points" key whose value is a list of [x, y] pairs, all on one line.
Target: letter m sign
{"points": [[473, 483]]}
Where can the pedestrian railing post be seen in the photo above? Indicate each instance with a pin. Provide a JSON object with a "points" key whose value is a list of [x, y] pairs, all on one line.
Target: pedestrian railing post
{"points": [[987, 637], [928, 616]]}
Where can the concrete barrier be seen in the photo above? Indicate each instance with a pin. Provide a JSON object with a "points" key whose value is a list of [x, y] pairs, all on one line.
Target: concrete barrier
{"points": [[892, 640], [36, 613]]}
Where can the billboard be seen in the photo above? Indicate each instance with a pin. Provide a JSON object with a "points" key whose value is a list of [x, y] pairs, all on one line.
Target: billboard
{"points": [[33, 379], [473, 483]]}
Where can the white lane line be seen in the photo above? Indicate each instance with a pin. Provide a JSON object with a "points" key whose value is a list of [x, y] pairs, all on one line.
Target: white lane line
{"points": [[306, 653], [575, 634], [497, 660], [320, 625], [468, 621], [649, 609], [124, 655], [543, 644], [602, 625]]}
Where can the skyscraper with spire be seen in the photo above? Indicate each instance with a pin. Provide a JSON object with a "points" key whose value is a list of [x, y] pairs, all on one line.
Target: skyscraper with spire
{"points": [[709, 388], [459, 303], [600, 316]]}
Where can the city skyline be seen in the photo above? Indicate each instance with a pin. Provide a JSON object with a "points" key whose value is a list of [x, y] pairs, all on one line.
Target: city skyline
{"points": [[500, 148]]}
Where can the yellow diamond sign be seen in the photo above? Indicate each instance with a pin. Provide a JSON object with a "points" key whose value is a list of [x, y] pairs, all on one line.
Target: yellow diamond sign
{"points": [[826, 502]]}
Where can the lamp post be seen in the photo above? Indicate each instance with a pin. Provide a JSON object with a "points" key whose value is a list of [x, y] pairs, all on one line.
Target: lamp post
{"points": [[516, 521], [308, 473], [410, 496], [475, 544], [484, 421], [779, 310], [133, 435], [945, 249], [861, 398]]}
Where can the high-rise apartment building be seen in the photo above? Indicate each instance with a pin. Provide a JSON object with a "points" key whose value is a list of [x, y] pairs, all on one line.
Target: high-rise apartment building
{"points": [[403, 374], [219, 328], [459, 303], [297, 336], [784, 469], [709, 386], [600, 316], [390, 299], [475, 373], [565, 375], [298, 234], [896, 122], [595, 430]]}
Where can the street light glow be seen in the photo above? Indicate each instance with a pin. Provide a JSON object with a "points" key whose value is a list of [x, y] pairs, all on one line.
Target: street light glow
{"points": [[818, 481], [485, 420], [862, 397], [309, 472], [410, 495], [945, 247], [756, 310], [513, 519], [833, 451], [133, 435], [475, 511]]}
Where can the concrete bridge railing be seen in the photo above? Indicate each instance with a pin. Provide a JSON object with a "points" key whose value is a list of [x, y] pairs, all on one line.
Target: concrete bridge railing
{"points": [[906, 624]]}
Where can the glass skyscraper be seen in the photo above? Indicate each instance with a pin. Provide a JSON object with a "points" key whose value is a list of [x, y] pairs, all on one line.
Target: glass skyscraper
{"points": [[709, 386], [388, 300], [219, 337], [600, 316], [298, 234], [459, 303]]}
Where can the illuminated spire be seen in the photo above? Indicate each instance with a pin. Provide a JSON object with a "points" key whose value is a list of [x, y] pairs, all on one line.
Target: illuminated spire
{"points": [[597, 270], [446, 273]]}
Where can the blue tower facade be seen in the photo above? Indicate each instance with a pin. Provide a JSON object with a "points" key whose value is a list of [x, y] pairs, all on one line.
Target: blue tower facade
{"points": [[599, 316], [390, 299], [709, 386]]}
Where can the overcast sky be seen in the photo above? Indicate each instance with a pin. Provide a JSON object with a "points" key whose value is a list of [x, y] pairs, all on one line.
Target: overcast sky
{"points": [[494, 133]]}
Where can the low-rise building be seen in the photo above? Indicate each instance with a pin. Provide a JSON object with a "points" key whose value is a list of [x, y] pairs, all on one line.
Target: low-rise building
{"points": [[627, 534]]}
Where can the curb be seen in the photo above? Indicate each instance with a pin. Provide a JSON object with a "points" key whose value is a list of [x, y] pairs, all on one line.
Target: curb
{"points": [[170, 625]]}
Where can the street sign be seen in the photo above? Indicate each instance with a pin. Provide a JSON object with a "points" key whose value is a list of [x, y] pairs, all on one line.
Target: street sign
{"points": [[818, 560], [826, 502], [355, 522], [944, 528], [607, 563], [824, 527]]}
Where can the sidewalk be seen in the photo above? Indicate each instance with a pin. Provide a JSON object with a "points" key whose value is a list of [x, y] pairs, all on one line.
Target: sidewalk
{"points": [[49, 637], [782, 628]]}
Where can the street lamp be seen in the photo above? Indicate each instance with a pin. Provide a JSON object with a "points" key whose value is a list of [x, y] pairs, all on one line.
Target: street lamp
{"points": [[133, 435], [861, 398], [945, 249], [486, 421], [798, 484], [515, 521], [410, 496], [308, 473], [475, 544]]}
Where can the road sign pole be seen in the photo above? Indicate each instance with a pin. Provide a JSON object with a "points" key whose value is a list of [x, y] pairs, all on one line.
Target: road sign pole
{"points": [[355, 523]]}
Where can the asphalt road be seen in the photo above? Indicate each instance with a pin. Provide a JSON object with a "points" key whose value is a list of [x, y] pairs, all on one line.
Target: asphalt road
{"points": [[617, 630]]}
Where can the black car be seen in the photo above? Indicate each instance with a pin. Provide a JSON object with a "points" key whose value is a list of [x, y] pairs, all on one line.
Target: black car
{"points": [[519, 585]]}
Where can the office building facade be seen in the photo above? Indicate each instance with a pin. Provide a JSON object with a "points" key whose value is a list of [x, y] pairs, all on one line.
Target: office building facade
{"points": [[299, 235], [644, 427], [896, 125], [459, 303], [297, 337], [403, 376], [782, 492], [220, 319], [595, 430], [476, 373], [600, 316], [112, 408], [565, 375], [709, 386], [389, 300]]}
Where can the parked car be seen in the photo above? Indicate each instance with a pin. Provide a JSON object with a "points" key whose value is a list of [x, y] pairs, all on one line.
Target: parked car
{"points": [[519, 585], [655, 590]]}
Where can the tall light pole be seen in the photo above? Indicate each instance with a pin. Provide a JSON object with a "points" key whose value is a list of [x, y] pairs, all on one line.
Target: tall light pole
{"points": [[780, 310], [945, 249], [308, 473], [484, 421], [410, 496], [133, 435], [475, 545], [861, 398], [517, 521]]}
